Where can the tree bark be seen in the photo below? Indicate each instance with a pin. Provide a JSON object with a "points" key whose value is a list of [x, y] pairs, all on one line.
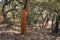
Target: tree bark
{"points": [[23, 17], [4, 15], [56, 27], [4, 19], [52, 26], [23, 21]]}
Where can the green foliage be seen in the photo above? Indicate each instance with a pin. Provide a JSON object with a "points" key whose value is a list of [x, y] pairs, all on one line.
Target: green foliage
{"points": [[36, 9], [8, 21]]}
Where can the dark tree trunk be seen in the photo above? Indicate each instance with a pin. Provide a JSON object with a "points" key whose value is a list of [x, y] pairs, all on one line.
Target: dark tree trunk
{"points": [[56, 26], [4, 15], [52, 26], [4, 18], [13, 15]]}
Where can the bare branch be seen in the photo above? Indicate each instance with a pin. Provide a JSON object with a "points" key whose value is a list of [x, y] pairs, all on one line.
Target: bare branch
{"points": [[9, 2], [13, 8], [10, 10], [19, 3]]}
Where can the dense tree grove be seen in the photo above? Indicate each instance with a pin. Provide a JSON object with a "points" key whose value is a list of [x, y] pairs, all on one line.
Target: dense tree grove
{"points": [[31, 12]]}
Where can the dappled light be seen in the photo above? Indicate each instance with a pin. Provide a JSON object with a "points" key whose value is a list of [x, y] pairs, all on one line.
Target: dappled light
{"points": [[29, 20]]}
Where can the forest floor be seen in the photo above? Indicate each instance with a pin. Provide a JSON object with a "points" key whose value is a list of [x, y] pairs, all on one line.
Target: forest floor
{"points": [[14, 33]]}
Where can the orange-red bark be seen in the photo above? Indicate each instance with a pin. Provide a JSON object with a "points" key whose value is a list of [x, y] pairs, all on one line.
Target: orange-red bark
{"points": [[23, 21], [46, 24]]}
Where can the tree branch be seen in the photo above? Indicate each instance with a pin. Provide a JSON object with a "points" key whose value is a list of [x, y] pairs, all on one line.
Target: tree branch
{"points": [[18, 4], [6, 2], [10, 10], [14, 7], [10, 1]]}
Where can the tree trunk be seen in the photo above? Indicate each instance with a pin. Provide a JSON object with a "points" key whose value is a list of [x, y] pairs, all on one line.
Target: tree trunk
{"points": [[4, 19], [56, 27], [13, 15], [52, 26], [46, 24], [4, 15], [23, 17], [23, 21]]}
